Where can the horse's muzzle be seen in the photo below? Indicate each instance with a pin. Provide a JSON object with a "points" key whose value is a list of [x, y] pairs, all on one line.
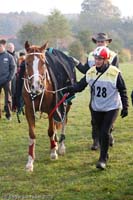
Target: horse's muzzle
{"points": [[37, 90]]}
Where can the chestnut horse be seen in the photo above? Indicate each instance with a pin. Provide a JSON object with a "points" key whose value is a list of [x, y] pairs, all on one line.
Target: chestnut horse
{"points": [[39, 94]]}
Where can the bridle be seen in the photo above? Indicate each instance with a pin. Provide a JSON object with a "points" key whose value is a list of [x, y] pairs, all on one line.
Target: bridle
{"points": [[43, 80], [45, 77], [42, 77]]}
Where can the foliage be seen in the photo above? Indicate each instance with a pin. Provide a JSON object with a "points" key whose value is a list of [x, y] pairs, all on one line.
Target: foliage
{"points": [[30, 32], [102, 8], [11, 23], [85, 39], [116, 45], [76, 49], [96, 16], [74, 175], [58, 27], [125, 55], [55, 29]]}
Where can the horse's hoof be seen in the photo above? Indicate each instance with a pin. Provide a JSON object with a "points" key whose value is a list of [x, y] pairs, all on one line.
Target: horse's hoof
{"points": [[29, 165], [29, 168], [62, 149], [53, 155]]}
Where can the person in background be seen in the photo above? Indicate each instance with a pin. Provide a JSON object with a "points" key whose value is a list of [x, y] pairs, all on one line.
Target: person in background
{"points": [[108, 95], [11, 50], [100, 39], [20, 76], [7, 72], [20, 60]]}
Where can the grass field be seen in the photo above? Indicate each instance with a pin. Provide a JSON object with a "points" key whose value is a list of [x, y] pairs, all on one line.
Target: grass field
{"points": [[73, 176]]}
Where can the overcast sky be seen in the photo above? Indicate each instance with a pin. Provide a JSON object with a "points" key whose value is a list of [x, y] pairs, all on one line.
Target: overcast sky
{"points": [[65, 6]]}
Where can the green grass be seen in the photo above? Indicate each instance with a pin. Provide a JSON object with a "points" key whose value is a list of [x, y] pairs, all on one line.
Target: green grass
{"points": [[73, 176]]}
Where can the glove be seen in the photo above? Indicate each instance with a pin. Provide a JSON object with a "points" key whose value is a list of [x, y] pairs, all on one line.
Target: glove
{"points": [[132, 97], [75, 61], [124, 113], [69, 89]]}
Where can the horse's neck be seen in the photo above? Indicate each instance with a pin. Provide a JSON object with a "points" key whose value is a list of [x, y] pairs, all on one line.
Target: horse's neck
{"points": [[49, 84], [47, 75]]}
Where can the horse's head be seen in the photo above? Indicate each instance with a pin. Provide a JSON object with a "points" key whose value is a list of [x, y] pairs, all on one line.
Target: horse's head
{"points": [[35, 64]]}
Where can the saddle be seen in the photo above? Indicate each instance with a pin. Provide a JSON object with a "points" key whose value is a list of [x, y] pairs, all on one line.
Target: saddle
{"points": [[62, 72]]}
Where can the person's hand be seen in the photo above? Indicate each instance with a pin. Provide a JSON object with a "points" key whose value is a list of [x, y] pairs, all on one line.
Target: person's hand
{"points": [[124, 113], [69, 89], [132, 97]]}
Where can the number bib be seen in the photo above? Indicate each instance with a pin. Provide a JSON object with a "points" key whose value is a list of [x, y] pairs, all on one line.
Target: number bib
{"points": [[105, 95]]}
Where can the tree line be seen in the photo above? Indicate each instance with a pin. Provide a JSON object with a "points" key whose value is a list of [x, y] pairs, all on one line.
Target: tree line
{"points": [[72, 33]]}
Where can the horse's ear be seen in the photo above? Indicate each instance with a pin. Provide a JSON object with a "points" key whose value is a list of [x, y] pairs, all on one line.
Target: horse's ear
{"points": [[45, 46], [27, 45]]}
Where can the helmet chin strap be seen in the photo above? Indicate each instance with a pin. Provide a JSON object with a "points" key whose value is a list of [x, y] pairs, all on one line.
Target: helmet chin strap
{"points": [[102, 68]]}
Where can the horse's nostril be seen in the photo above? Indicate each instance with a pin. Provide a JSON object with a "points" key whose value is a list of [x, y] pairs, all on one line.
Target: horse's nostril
{"points": [[32, 87], [41, 86]]}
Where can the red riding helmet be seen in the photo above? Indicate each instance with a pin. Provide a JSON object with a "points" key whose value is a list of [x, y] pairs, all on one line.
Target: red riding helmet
{"points": [[102, 52]]}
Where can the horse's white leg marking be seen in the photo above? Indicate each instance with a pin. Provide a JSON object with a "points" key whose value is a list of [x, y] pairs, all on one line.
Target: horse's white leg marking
{"points": [[54, 147], [62, 148], [31, 157]]}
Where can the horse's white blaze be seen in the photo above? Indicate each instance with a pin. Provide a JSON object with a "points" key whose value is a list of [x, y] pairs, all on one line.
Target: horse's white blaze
{"points": [[36, 72], [29, 165]]}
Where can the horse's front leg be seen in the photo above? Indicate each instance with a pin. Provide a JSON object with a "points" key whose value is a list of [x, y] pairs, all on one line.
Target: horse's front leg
{"points": [[53, 141], [31, 152], [62, 148]]}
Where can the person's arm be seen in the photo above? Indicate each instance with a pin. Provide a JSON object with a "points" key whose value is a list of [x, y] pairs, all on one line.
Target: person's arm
{"points": [[83, 68], [123, 94], [78, 86], [12, 66], [115, 61]]}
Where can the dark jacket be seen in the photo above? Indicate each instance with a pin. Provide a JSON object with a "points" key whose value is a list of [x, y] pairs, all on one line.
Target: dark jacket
{"points": [[15, 59], [7, 67]]}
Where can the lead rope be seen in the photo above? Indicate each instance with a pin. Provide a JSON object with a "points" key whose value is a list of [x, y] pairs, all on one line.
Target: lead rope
{"points": [[41, 100], [58, 104], [33, 104]]}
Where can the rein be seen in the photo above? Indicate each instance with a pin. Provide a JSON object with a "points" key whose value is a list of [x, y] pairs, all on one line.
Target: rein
{"points": [[58, 104]]}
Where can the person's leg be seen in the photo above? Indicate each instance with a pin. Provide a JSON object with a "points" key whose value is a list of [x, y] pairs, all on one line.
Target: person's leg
{"points": [[13, 90], [104, 121], [111, 137], [95, 144], [8, 99], [108, 120]]}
